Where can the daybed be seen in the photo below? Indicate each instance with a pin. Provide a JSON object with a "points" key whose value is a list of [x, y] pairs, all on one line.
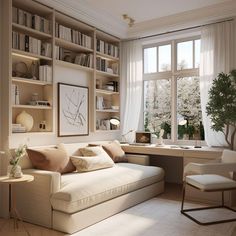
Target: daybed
{"points": [[73, 201]]}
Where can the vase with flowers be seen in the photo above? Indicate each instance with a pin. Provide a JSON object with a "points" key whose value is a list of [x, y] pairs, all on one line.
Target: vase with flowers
{"points": [[14, 169]]}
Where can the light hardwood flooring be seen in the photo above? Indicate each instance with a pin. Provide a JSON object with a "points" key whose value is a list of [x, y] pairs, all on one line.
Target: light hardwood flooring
{"points": [[159, 216]]}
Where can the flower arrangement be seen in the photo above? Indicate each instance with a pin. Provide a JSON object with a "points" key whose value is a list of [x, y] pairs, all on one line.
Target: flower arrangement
{"points": [[15, 170]]}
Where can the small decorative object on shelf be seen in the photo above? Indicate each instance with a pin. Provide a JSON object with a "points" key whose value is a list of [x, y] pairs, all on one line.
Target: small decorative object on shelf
{"points": [[42, 126], [14, 170], [26, 120]]}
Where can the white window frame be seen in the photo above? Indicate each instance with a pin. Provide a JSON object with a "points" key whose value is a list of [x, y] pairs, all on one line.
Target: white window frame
{"points": [[173, 76]]}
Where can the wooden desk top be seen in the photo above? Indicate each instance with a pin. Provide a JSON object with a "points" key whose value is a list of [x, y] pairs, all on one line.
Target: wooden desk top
{"points": [[174, 150], [9, 180]]}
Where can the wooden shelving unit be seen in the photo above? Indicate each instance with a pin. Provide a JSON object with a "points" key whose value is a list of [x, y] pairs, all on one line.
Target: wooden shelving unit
{"points": [[80, 53]]}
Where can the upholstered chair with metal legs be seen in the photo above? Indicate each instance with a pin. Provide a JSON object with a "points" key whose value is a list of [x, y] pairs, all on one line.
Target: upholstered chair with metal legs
{"points": [[209, 178]]}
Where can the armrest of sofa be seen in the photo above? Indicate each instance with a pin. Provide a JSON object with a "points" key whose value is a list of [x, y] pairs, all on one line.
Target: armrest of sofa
{"points": [[33, 198], [138, 159]]}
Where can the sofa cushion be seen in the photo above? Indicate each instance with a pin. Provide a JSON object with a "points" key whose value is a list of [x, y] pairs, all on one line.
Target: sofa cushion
{"points": [[90, 163], [115, 151], [83, 190], [51, 158]]}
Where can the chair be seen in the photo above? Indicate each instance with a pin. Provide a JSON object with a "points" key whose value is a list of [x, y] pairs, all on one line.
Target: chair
{"points": [[208, 178]]}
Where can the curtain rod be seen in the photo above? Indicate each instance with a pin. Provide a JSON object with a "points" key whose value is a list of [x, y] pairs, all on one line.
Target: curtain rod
{"points": [[176, 31]]}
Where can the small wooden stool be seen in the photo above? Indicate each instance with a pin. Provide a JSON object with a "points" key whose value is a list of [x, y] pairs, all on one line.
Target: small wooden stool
{"points": [[208, 183]]}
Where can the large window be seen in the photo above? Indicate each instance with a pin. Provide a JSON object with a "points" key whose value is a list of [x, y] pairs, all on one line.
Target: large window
{"points": [[171, 90]]}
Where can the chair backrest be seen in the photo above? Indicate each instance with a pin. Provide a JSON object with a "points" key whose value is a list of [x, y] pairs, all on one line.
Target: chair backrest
{"points": [[228, 156]]}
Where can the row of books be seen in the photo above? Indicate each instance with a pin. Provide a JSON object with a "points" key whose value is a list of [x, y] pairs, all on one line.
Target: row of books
{"points": [[107, 66], [29, 44], [107, 48], [83, 59], [30, 20], [73, 36], [18, 128], [15, 94], [45, 73]]}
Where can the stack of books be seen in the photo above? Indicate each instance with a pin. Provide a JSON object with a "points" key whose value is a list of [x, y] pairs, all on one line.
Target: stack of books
{"points": [[18, 128], [107, 66]]}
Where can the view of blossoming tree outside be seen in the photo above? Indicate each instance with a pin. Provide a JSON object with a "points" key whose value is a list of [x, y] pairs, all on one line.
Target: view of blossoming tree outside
{"points": [[159, 77]]}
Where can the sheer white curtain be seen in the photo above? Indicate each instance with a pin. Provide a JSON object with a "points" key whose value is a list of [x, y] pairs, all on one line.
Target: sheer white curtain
{"points": [[216, 56], [131, 83]]}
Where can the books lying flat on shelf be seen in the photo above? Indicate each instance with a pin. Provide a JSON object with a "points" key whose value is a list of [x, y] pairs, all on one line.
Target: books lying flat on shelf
{"points": [[18, 128], [40, 103], [45, 73], [33, 21]]}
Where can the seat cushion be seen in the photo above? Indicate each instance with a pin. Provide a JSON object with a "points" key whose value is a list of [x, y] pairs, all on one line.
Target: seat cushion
{"points": [[210, 182], [82, 190]]}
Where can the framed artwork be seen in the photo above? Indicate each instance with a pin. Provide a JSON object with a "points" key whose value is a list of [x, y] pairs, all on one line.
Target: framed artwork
{"points": [[73, 111]]}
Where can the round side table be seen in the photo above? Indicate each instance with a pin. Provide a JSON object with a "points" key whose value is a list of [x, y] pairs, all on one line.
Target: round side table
{"points": [[12, 200]]}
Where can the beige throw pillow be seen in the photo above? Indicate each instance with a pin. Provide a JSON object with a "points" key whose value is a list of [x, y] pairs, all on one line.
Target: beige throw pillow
{"points": [[87, 152], [90, 163], [115, 151], [52, 159]]}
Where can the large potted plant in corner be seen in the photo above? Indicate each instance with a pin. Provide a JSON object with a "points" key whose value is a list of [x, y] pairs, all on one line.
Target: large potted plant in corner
{"points": [[221, 106]]}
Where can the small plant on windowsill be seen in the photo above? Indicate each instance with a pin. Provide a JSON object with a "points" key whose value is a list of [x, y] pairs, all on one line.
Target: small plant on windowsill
{"points": [[221, 106], [14, 170]]}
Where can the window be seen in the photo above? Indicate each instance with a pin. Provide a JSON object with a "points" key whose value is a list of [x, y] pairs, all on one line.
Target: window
{"points": [[157, 107], [171, 91]]}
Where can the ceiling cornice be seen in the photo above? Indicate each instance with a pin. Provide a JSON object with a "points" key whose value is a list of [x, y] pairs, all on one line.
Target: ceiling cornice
{"points": [[84, 13], [182, 20]]}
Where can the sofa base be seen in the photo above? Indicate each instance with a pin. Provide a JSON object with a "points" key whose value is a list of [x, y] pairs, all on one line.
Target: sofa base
{"points": [[70, 223]]}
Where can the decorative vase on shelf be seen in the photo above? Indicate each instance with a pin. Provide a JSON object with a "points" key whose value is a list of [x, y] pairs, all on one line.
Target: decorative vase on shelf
{"points": [[26, 120]]}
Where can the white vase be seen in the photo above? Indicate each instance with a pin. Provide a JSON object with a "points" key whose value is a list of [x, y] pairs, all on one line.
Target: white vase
{"points": [[14, 171], [26, 120]]}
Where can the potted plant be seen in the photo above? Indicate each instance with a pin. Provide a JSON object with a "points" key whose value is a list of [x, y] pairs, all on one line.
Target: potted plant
{"points": [[221, 106]]}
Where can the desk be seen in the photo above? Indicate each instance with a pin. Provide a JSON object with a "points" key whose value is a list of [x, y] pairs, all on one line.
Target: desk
{"points": [[172, 150], [13, 209], [172, 158]]}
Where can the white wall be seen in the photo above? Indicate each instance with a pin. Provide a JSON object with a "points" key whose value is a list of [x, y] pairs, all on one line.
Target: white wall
{"points": [[70, 76]]}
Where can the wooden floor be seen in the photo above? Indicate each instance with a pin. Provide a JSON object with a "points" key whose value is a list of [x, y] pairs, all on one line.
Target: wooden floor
{"points": [[159, 216]]}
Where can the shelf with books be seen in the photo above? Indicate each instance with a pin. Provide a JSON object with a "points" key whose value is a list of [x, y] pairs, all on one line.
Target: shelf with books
{"points": [[30, 31], [71, 46], [30, 81], [106, 74], [73, 65], [32, 107], [21, 53], [108, 92], [107, 57]]}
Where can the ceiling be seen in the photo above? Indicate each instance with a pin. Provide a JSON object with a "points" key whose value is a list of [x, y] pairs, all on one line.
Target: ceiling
{"points": [[144, 10]]}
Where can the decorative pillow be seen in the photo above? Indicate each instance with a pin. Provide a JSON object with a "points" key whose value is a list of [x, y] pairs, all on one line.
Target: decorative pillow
{"points": [[52, 159], [87, 152], [115, 151], [90, 163]]}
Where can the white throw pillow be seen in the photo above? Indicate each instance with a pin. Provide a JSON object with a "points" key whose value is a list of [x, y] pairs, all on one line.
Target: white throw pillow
{"points": [[90, 163]]}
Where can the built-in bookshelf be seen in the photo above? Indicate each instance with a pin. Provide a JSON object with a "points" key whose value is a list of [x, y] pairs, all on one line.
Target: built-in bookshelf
{"points": [[42, 38], [107, 81], [32, 61]]}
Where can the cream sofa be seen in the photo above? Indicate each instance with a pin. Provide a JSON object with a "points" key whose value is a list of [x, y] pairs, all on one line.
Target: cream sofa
{"points": [[73, 201]]}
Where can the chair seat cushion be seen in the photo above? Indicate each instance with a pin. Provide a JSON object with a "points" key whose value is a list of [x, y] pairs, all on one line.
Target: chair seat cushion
{"points": [[210, 182], [82, 190]]}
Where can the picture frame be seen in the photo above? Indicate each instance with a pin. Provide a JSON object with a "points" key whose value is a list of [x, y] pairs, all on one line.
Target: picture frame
{"points": [[73, 110]]}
